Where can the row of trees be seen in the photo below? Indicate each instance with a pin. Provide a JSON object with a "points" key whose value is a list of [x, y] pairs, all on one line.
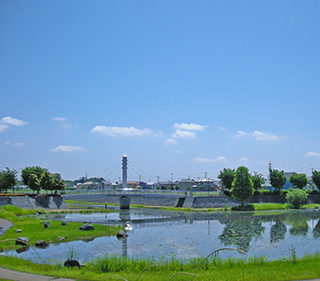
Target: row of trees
{"points": [[35, 177], [242, 184], [276, 177]]}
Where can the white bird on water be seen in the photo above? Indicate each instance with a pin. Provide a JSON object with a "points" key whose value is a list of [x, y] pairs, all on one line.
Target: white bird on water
{"points": [[127, 227]]}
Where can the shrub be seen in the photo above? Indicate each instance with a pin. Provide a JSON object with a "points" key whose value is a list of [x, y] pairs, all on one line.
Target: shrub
{"points": [[296, 197]]}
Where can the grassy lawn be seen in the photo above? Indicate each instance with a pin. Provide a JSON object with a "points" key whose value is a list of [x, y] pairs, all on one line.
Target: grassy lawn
{"points": [[34, 229]]}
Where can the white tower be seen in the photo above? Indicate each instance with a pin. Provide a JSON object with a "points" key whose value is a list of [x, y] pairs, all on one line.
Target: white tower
{"points": [[124, 171]]}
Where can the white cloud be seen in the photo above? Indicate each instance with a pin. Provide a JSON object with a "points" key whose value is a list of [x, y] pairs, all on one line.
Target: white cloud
{"points": [[60, 119], [171, 141], [177, 151], [184, 134], [220, 159], [19, 144], [12, 121], [240, 134], [222, 129], [313, 154], [262, 136], [7, 143], [6, 122], [206, 160], [243, 159], [189, 127], [66, 148], [259, 136], [3, 127], [201, 160], [121, 131]]}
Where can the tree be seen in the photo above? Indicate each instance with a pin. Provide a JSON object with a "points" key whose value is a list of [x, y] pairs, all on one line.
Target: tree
{"points": [[316, 178], [7, 179], [46, 181], [58, 182], [296, 197], [26, 172], [227, 176], [34, 182], [257, 180], [277, 179], [298, 180], [242, 186]]}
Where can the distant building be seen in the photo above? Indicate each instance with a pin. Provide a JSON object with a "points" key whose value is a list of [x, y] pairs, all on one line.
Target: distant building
{"points": [[185, 184], [105, 185]]}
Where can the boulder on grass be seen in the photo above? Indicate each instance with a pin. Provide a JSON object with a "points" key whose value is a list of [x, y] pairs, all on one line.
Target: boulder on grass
{"points": [[46, 224], [86, 227], [71, 263], [24, 241], [64, 223]]}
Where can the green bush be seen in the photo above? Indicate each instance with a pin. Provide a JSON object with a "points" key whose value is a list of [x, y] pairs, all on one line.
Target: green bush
{"points": [[296, 197]]}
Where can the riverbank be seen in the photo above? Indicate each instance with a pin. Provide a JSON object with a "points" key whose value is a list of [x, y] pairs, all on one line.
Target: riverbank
{"points": [[199, 269]]}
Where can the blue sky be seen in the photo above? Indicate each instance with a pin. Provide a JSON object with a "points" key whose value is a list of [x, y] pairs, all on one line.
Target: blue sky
{"points": [[182, 87]]}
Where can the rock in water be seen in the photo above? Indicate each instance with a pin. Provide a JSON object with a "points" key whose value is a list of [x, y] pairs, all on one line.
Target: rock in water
{"points": [[121, 235], [41, 244], [86, 227]]}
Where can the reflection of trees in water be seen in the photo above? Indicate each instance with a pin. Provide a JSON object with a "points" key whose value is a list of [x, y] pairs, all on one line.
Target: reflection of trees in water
{"points": [[316, 230], [240, 232], [277, 232], [299, 223]]}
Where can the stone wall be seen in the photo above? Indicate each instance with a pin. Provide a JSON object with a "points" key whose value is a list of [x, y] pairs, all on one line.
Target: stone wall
{"points": [[34, 202], [159, 200]]}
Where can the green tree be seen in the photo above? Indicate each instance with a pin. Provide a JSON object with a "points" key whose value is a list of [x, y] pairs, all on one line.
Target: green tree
{"points": [[277, 178], [227, 176], [58, 182], [296, 197], [298, 180], [242, 186], [46, 181], [26, 172], [7, 179], [257, 180], [34, 182], [316, 178]]}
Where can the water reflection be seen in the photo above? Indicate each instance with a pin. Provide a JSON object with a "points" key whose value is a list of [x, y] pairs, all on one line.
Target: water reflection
{"points": [[240, 230], [277, 231], [162, 234]]}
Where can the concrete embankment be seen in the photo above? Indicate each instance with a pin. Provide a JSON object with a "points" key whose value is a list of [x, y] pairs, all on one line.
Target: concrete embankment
{"points": [[159, 200], [34, 202]]}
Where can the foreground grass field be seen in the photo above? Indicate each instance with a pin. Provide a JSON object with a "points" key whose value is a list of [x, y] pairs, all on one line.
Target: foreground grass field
{"points": [[212, 269]]}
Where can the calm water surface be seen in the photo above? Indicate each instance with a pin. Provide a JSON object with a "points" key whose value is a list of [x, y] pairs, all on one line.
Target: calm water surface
{"points": [[163, 234]]}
